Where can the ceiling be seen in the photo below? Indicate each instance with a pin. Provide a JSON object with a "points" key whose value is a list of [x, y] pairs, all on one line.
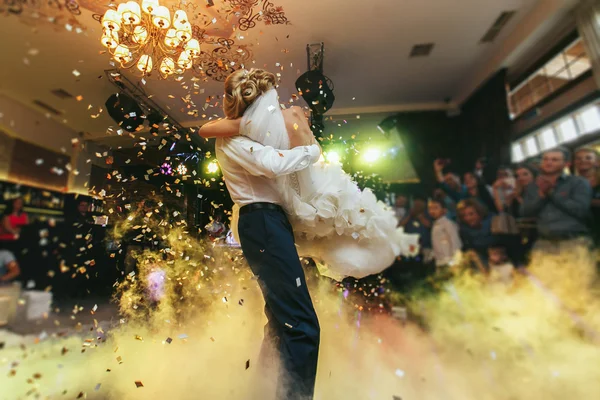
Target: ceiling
{"points": [[366, 55]]}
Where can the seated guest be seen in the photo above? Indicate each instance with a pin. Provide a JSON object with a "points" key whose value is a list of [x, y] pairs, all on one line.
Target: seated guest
{"points": [[417, 221], [503, 189], [448, 181], [500, 267], [9, 289], [13, 219], [511, 202], [586, 166], [445, 238], [479, 191], [476, 228], [401, 207], [560, 202], [9, 269], [447, 201]]}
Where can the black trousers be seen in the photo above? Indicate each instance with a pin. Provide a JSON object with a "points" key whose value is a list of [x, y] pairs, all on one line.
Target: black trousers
{"points": [[268, 244]]}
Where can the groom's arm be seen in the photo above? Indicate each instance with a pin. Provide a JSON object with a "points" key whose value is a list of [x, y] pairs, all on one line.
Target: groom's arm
{"points": [[266, 161], [220, 128]]}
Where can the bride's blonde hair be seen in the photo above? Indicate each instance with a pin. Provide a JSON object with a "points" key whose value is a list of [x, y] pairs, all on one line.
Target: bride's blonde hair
{"points": [[243, 87]]}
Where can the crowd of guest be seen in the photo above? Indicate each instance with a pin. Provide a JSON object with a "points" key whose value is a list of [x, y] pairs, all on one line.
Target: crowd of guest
{"points": [[497, 223]]}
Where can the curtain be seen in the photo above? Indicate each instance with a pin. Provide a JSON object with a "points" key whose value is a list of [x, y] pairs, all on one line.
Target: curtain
{"points": [[587, 15]]}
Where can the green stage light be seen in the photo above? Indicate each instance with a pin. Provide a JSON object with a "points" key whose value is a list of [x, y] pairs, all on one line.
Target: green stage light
{"points": [[213, 167], [371, 155], [332, 157]]}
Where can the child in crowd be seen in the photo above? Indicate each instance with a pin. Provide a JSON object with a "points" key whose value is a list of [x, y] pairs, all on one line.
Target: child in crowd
{"points": [[444, 234], [500, 268]]}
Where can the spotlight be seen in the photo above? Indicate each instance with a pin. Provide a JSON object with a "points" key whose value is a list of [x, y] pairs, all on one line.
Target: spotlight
{"points": [[332, 157], [371, 155], [166, 169], [213, 167], [182, 169], [388, 124]]}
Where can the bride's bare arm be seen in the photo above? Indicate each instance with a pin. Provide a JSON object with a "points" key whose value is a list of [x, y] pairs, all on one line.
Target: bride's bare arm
{"points": [[220, 128]]}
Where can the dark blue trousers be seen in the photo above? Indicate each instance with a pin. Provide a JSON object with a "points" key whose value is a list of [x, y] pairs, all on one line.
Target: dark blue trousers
{"points": [[267, 241]]}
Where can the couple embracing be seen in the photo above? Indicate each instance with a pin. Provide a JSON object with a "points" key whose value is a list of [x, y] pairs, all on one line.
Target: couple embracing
{"points": [[289, 202]]}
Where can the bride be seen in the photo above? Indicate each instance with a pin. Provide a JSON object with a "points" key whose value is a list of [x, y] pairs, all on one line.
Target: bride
{"points": [[346, 230]]}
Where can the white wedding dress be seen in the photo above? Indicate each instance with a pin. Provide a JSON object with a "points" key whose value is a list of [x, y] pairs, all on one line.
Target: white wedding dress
{"points": [[346, 230]]}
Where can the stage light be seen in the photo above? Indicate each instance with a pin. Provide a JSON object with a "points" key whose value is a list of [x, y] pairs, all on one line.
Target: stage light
{"points": [[213, 167], [371, 155], [182, 169], [332, 157]]}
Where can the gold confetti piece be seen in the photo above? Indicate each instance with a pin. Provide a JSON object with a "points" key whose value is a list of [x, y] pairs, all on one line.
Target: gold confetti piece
{"points": [[288, 325], [247, 364], [76, 73]]}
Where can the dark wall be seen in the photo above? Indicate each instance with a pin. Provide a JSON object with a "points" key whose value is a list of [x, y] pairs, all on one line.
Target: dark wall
{"points": [[485, 124], [426, 136], [481, 130]]}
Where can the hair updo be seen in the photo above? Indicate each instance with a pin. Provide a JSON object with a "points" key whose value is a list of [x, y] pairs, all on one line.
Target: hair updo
{"points": [[243, 87]]}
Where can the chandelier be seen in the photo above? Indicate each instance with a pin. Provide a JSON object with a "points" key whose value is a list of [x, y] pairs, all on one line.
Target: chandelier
{"points": [[161, 40], [149, 38]]}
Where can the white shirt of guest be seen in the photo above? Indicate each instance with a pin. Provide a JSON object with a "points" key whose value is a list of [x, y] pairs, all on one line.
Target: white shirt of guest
{"points": [[249, 168], [445, 241]]}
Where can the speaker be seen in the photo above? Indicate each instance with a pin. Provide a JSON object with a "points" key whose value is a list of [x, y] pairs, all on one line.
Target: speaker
{"points": [[125, 111], [315, 90]]}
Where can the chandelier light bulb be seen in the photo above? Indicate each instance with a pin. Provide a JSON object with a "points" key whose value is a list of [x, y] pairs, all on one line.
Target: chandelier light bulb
{"points": [[145, 64], [111, 20], [161, 18], [122, 54], [184, 33], [171, 39], [131, 13], [193, 48], [140, 34], [149, 5], [122, 8], [179, 19], [167, 66], [184, 61], [110, 39]]}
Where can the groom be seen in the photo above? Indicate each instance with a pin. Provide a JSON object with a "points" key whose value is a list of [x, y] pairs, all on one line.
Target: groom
{"points": [[249, 170]]}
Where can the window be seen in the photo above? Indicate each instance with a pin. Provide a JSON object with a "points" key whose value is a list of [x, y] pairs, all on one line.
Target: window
{"points": [[570, 63], [590, 120], [583, 121], [531, 146], [568, 131], [517, 153], [547, 139]]}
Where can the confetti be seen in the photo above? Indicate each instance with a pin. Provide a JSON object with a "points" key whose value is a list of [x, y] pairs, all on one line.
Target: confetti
{"points": [[169, 340], [139, 384], [288, 325], [183, 336], [247, 364], [97, 387], [76, 73], [399, 373], [295, 126], [298, 282]]}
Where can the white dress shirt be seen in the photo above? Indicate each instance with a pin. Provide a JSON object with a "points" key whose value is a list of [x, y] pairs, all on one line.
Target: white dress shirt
{"points": [[249, 168]]}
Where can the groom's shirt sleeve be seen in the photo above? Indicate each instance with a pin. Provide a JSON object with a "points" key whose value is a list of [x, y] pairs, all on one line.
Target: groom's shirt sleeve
{"points": [[266, 161]]}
